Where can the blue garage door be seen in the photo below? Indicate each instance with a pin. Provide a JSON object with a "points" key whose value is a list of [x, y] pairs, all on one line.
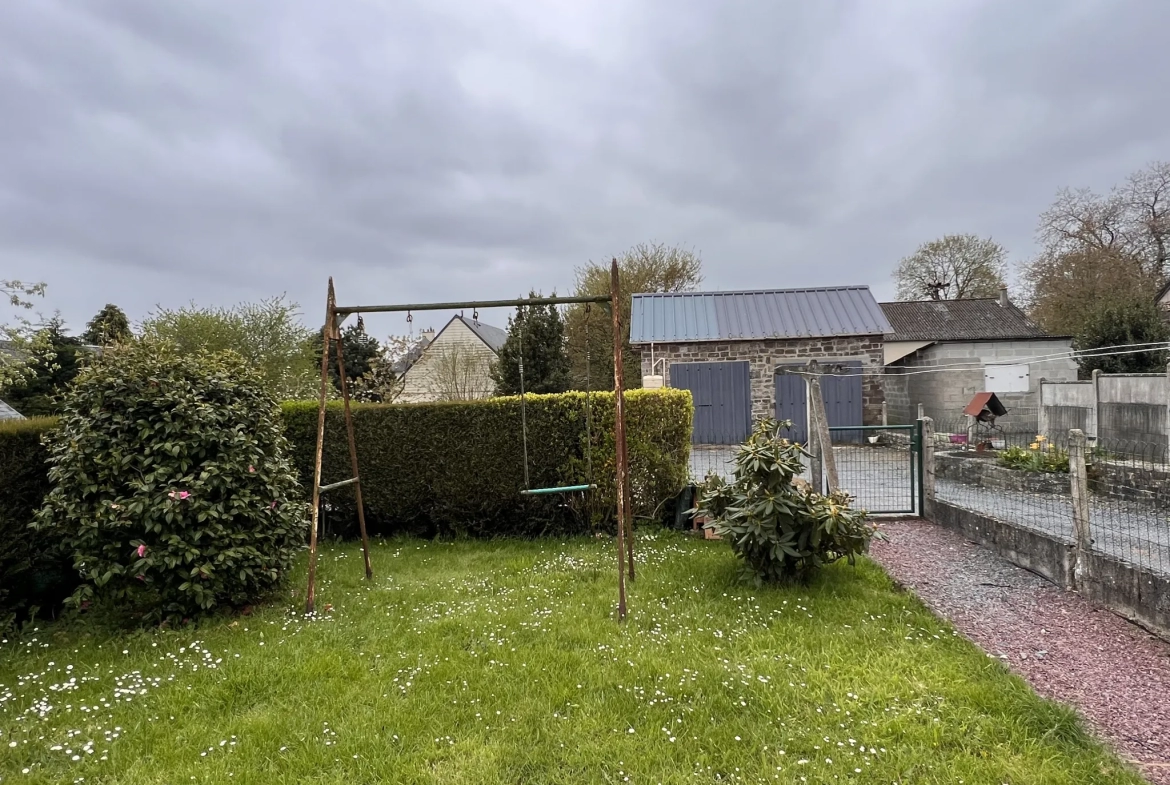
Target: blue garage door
{"points": [[843, 403], [722, 393]]}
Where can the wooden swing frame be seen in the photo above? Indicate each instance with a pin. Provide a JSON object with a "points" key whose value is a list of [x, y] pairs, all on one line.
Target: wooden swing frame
{"points": [[335, 316]]}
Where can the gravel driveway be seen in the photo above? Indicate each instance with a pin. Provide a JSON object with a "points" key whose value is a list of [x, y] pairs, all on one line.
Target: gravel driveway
{"points": [[1115, 673]]}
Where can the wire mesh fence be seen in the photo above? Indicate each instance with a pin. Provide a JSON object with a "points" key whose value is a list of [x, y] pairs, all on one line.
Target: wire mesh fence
{"points": [[877, 466], [1024, 479]]}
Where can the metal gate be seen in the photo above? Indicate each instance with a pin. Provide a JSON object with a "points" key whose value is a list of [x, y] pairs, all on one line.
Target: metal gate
{"points": [[842, 396], [880, 466], [722, 394]]}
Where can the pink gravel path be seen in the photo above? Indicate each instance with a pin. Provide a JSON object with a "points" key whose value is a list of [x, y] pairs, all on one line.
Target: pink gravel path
{"points": [[1116, 674]]}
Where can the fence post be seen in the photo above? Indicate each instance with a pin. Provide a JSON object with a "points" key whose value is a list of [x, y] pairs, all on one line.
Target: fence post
{"points": [[886, 411], [1042, 413], [921, 411], [1079, 479], [1167, 402], [1096, 434], [926, 493]]}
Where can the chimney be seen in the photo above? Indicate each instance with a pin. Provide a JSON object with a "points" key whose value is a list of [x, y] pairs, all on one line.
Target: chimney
{"points": [[428, 334], [1004, 302]]}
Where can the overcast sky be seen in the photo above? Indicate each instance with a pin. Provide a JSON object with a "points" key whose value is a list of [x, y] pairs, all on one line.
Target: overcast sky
{"points": [[157, 152]]}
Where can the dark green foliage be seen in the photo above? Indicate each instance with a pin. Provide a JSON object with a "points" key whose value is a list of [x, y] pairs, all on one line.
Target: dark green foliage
{"points": [[540, 330], [782, 532], [37, 396], [110, 326], [33, 571], [458, 467], [360, 350], [171, 485], [1120, 324]]}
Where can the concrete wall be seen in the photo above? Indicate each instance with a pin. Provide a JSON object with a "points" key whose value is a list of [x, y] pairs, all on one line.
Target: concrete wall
{"points": [[765, 356], [1117, 409], [455, 365], [1136, 594], [945, 392]]}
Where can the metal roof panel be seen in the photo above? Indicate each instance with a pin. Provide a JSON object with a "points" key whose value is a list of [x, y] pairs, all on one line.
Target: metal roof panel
{"points": [[768, 314]]}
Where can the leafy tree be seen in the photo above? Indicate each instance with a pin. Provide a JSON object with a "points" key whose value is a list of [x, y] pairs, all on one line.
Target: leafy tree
{"points": [[1120, 324], [653, 267], [268, 335], [361, 352], [1061, 290], [171, 483], [955, 267], [22, 342], [110, 326], [540, 331], [781, 532], [49, 372]]}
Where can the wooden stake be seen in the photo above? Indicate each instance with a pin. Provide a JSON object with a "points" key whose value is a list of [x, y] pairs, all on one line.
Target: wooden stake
{"points": [[619, 433], [310, 595], [353, 460], [817, 407]]}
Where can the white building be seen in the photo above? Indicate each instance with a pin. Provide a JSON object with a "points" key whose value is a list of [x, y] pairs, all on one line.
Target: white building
{"points": [[456, 364]]}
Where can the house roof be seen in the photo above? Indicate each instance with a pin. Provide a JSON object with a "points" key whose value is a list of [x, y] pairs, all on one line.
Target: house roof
{"points": [[1163, 293], [8, 413], [494, 337], [959, 320], [755, 315]]}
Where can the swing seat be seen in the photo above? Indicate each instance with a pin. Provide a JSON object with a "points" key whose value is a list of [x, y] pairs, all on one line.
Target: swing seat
{"points": [[558, 489]]}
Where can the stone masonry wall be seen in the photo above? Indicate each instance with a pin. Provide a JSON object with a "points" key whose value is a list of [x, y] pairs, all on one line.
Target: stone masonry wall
{"points": [[765, 356]]}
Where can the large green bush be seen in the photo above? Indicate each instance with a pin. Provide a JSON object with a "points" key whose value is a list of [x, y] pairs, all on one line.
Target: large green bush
{"points": [[33, 570], [457, 467], [171, 485], [782, 532]]}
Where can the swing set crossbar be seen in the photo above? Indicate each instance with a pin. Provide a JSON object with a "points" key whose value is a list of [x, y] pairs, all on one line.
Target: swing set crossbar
{"points": [[346, 310], [558, 489]]}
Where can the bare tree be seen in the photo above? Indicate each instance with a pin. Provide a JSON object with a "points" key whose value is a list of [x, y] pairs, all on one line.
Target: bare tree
{"points": [[1100, 249], [955, 267], [458, 373]]}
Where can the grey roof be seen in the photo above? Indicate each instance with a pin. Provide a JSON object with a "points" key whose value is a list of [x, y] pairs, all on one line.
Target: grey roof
{"points": [[8, 413], [494, 337], [754, 315], [959, 320]]}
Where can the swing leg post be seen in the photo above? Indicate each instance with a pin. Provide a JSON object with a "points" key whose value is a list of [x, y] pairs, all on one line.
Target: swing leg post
{"points": [[619, 430], [310, 592], [353, 460]]}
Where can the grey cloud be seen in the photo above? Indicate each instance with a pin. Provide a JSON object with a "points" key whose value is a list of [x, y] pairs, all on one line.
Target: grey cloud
{"points": [[155, 152]]}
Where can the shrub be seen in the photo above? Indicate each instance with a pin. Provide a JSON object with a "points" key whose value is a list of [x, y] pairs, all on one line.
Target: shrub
{"points": [[1041, 456], [171, 488], [782, 532], [458, 467], [34, 570]]}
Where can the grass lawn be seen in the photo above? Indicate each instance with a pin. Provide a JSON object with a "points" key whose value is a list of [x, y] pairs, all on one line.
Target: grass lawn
{"points": [[501, 662]]}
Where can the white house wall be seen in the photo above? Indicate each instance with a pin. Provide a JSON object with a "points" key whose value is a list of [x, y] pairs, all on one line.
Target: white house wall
{"points": [[422, 381]]}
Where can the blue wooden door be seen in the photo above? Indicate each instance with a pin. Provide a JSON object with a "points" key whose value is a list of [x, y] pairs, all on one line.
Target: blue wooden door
{"points": [[843, 403], [722, 395]]}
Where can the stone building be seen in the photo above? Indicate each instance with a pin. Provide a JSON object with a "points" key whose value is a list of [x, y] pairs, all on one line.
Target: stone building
{"points": [[736, 351]]}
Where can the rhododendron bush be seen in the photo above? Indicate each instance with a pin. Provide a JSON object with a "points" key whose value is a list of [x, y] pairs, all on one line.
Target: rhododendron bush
{"points": [[171, 485]]}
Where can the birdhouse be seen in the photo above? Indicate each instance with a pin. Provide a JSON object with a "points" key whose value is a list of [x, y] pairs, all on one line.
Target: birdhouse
{"points": [[985, 407]]}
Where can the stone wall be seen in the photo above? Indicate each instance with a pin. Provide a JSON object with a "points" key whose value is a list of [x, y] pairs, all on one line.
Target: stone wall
{"points": [[972, 468], [765, 356]]}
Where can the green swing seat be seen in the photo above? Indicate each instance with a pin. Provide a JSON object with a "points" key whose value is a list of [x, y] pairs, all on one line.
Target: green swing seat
{"points": [[558, 489]]}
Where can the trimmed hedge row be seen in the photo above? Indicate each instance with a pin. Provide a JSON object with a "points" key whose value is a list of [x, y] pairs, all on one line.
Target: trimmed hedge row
{"points": [[458, 468], [441, 468], [34, 571]]}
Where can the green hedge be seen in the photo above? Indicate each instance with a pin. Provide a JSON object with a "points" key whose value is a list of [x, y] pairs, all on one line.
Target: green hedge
{"points": [[458, 468], [33, 570], [442, 468]]}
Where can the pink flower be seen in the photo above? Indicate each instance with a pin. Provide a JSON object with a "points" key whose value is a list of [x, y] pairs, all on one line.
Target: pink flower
{"points": [[252, 468], [140, 577], [179, 494], [141, 551], [273, 507]]}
